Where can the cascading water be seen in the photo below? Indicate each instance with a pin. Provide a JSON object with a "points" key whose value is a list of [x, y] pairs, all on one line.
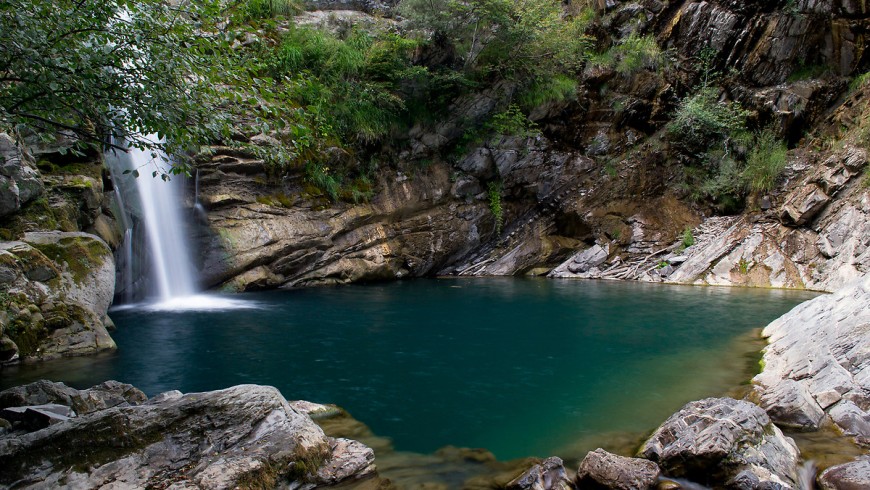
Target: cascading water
{"points": [[158, 206], [155, 203], [161, 211]]}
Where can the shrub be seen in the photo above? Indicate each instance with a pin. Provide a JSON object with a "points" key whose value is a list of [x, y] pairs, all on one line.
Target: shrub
{"points": [[702, 119], [688, 238], [765, 161], [266, 9], [635, 53], [512, 122], [528, 42]]}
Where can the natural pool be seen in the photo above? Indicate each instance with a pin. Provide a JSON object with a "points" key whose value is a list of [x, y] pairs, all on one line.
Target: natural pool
{"points": [[522, 367]]}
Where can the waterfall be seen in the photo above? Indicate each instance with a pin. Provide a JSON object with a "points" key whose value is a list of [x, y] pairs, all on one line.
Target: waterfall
{"points": [[156, 202], [159, 252]]}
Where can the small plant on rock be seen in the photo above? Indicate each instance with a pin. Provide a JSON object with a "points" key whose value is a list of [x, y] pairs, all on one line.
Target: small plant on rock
{"points": [[494, 194], [688, 238]]}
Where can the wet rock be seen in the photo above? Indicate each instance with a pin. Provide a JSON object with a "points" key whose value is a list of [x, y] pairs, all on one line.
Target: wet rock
{"points": [[816, 367], [718, 440], [600, 469], [242, 436], [849, 476], [548, 475]]}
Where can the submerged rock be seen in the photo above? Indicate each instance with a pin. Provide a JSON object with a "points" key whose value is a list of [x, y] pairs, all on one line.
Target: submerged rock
{"points": [[245, 436], [722, 440], [601, 469]]}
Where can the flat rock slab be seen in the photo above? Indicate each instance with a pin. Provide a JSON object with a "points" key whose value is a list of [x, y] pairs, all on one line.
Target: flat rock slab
{"points": [[817, 363], [724, 441]]}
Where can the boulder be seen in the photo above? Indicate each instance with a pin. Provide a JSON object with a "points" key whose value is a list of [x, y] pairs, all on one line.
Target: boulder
{"points": [[804, 205], [60, 286], [722, 440], [246, 436], [816, 366], [600, 469], [548, 475], [849, 476]]}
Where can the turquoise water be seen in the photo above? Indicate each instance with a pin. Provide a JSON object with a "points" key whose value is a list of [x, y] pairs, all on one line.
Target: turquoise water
{"points": [[518, 366]]}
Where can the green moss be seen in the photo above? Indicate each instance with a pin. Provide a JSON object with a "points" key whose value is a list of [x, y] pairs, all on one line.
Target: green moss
{"points": [[26, 335], [304, 467], [79, 255], [280, 200]]}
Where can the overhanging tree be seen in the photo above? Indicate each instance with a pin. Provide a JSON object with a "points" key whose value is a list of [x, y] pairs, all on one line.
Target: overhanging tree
{"points": [[91, 68]]}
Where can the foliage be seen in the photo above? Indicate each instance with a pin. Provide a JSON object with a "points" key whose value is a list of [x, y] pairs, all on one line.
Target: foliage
{"points": [[266, 9], [155, 74], [807, 72], [494, 193], [743, 265], [524, 41], [320, 177], [91, 68], [702, 119], [349, 88], [859, 81], [688, 238], [765, 161], [631, 55], [512, 122], [725, 185], [557, 88]]}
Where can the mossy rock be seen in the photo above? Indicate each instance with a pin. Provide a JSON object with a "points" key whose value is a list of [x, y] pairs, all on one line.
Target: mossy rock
{"points": [[78, 253]]}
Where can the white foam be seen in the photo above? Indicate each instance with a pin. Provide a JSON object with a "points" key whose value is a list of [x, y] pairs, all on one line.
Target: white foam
{"points": [[197, 302]]}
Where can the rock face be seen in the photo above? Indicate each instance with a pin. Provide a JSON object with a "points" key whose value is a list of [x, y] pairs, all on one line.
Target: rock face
{"points": [[724, 441], [56, 270], [600, 469], [243, 436], [816, 367], [20, 182], [815, 239]]}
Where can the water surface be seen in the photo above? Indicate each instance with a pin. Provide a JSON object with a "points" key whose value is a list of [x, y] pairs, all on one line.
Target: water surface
{"points": [[521, 367]]}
